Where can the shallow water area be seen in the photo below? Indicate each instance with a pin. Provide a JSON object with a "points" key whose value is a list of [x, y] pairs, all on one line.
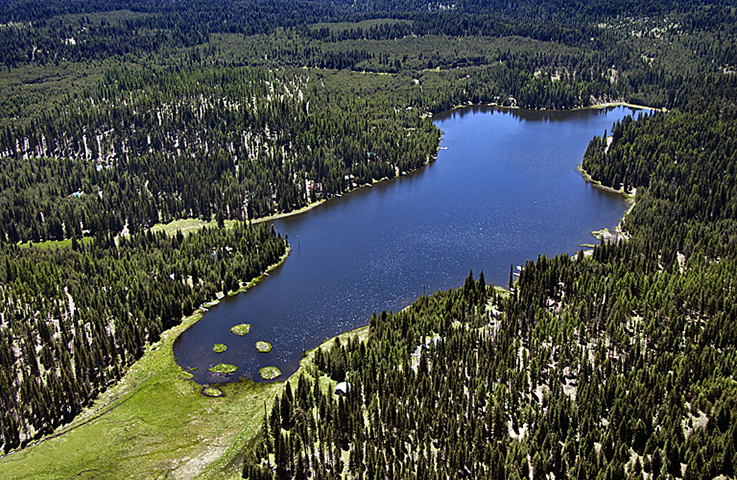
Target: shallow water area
{"points": [[503, 190]]}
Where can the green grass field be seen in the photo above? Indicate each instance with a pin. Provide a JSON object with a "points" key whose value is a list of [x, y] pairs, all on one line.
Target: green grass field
{"points": [[263, 347], [153, 424], [224, 368], [241, 329], [185, 225]]}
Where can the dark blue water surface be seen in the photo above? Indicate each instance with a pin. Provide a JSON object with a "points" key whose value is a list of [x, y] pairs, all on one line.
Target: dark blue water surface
{"points": [[504, 191]]}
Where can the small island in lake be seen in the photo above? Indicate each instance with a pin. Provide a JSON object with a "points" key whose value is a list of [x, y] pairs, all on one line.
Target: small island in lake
{"points": [[225, 368], [269, 373], [219, 348], [263, 347], [241, 329]]}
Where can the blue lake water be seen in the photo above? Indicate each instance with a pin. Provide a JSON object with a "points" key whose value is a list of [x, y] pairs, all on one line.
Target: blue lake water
{"points": [[505, 190]]}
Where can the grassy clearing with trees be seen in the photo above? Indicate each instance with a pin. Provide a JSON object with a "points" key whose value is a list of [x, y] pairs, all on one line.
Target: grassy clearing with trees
{"points": [[154, 398]]}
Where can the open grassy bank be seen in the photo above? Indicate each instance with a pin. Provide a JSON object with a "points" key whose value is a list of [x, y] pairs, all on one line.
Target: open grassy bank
{"points": [[625, 104], [154, 423]]}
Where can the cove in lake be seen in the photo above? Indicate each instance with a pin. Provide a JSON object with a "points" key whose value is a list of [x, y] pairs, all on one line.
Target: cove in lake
{"points": [[504, 191]]}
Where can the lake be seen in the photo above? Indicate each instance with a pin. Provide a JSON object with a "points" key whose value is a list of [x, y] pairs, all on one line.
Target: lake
{"points": [[503, 190]]}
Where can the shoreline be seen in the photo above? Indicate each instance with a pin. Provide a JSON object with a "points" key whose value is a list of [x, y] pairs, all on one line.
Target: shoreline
{"points": [[255, 281], [276, 216], [158, 365], [621, 104], [429, 160], [217, 467], [629, 197], [310, 206], [595, 106]]}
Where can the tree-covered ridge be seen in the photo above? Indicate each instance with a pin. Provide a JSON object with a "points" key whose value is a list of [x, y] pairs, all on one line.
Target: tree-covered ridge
{"points": [[666, 61], [153, 146], [52, 31], [618, 364], [73, 319], [661, 55], [510, 70], [448, 390], [568, 11]]}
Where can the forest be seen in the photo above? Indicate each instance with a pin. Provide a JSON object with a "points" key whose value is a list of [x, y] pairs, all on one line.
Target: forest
{"points": [[152, 146], [120, 115]]}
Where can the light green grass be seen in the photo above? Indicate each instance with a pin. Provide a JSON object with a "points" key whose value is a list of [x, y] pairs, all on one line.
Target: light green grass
{"points": [[241, 329], [187, 226], [263, 347], [269, 373], [157, 425], [219, 348], [225, 368]]}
